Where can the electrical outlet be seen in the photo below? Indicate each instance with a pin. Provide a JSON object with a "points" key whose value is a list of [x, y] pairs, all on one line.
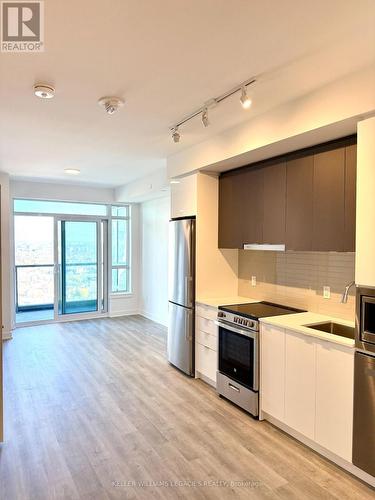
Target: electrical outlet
{"points": [[327, 292], [253, 281]]}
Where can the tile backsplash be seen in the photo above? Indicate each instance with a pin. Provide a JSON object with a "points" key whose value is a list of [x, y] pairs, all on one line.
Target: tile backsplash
{"points": [[297, 279]]}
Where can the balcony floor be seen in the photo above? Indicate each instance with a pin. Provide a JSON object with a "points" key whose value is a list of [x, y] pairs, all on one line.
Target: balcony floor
{"points": [[37, 315]]}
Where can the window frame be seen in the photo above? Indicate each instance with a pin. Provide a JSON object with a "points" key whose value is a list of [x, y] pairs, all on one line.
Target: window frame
{"points": [[128, 242], [109, 217]]}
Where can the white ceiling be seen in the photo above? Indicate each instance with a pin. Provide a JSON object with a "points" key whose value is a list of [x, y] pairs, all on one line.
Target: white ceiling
{"points": [[165, 59]]}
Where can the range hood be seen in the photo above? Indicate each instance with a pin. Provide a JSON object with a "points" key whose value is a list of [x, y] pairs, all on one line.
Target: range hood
{"points": [[264, 247]]}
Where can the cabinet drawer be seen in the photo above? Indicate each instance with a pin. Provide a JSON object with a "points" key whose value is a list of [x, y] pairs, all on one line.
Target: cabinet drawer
{"points": [[206, 312], [206, 325], [206, 361], [206, 339]]}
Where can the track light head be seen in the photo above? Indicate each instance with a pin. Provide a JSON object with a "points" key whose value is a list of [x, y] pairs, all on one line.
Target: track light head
{"points": [[176, 136], [245, 99], [205, 119]]}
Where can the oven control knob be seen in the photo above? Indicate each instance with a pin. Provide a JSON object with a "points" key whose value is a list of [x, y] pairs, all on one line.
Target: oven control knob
{"points": [[221, 314]]}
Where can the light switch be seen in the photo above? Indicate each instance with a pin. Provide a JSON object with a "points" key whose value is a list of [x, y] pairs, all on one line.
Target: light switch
{"points": [[327, 292], [253, 281]]}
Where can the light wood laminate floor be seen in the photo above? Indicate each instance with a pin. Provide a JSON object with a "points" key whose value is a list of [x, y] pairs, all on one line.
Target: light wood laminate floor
{"points": [[92, 409]]}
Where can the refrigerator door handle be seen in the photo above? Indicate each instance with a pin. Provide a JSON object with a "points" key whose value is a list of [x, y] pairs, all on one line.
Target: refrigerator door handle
{"points": [[188, 289], [187, 326]]}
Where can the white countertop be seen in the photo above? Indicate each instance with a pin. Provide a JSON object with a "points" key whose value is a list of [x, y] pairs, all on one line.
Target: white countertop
{"points": [[224, 301], [296, 322]]}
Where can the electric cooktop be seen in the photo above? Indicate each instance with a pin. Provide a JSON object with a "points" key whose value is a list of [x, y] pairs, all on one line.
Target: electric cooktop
{"points": [[258, 310]]}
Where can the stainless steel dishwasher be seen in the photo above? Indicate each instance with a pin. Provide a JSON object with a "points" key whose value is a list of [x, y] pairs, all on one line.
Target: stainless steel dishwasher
{"points": [[364, 382]]}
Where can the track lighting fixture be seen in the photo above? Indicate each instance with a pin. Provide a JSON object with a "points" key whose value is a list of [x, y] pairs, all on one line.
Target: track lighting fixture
{"points": [[176, 135], [205, 120], [203, 111], [245, 99]]}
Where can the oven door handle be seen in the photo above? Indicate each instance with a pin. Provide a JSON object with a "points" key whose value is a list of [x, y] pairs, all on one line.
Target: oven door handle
{"points": [[240, 331]]}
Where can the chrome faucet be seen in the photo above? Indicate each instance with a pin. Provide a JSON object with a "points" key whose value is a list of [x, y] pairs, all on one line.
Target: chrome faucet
{"points": [[344, 298]]}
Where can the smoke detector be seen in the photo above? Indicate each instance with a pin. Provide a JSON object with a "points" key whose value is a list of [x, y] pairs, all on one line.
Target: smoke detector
{"points": [[111, 104], [44, 91]]}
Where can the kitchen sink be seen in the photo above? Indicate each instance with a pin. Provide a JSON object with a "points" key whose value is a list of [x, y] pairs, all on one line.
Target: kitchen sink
{"points": [[334, 329]]}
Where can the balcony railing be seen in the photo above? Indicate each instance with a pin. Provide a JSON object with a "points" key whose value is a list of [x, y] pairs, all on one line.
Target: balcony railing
{"points": [[35, 287]]}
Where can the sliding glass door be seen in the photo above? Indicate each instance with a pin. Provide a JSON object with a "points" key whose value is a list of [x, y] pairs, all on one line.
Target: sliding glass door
{"points": [[81, 270]]}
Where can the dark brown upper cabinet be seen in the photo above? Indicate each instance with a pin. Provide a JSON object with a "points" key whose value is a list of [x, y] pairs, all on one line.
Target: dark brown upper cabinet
{"points": [[329, 201], [299, 203], [350, 196], [230, 208], [251, 215], [305, 200], [274, 203]]}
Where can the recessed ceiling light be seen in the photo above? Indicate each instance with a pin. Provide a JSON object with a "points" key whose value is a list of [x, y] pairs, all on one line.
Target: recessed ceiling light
{"points": [[175, 181], [44, 91], [72, 171]]}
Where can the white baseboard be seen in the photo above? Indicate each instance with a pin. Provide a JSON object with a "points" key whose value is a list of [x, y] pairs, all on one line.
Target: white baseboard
{"points": [[348, 466], [7, 335], [152, 317], [117, 314]]}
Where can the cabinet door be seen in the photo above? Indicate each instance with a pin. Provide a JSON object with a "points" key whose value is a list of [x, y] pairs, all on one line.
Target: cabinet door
{"points": [[300, 383], [231, 211], [272, 380], [334, 398], [184, 197], [329, 201], [274, 201], [206, 362], [350, 196], [299, 203], [251, 214]]}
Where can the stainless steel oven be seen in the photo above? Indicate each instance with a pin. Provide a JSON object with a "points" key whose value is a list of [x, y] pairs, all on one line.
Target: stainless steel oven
{"points": [[238, 373]]}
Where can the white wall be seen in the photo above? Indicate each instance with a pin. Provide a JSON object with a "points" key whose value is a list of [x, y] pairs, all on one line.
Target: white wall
{"points": [[216, 269], [328, 113], [61, 192], [154, 259], [6, 258], [154, 185], [365, 225]]}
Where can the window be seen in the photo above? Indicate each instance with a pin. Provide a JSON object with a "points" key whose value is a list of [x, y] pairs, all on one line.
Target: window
{"points": [[120, 249], [60, 207], [118, 216]]}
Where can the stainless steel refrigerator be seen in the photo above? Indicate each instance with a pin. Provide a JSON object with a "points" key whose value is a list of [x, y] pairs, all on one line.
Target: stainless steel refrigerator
{"points": [[181, 294]]}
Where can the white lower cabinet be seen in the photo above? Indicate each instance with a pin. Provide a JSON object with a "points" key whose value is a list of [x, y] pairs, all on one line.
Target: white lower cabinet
{"points": [[206, 361], [273, 380], [334, 399], [206, 344], [300, 383], [307, 384]]}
